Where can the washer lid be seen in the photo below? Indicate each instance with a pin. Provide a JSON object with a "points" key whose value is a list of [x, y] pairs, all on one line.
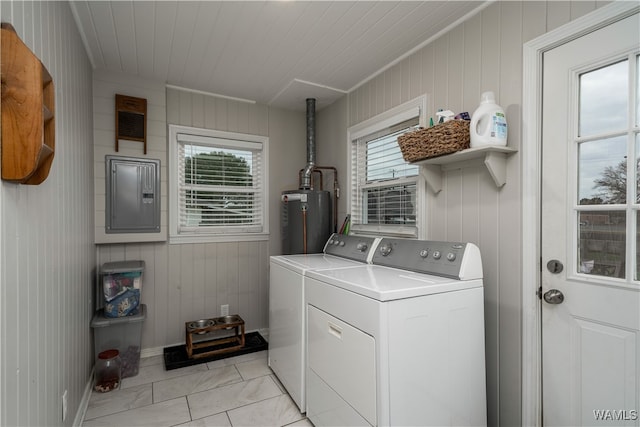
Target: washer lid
{"points": [[301, 263], [386, 284]]}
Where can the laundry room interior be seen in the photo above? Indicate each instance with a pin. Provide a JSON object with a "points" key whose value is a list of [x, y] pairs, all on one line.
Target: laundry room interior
{"points": [[59, 227]]}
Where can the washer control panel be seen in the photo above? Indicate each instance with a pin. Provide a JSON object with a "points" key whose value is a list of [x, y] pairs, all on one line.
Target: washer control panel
{"points": [[449, 259], [358, 248]]}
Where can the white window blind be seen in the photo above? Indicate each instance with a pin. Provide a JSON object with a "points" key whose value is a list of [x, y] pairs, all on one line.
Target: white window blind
{"points": [[220, 185], [384, 196]]}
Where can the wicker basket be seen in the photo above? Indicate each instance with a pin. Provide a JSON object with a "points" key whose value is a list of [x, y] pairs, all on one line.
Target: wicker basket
{"points": [[443, 138]]}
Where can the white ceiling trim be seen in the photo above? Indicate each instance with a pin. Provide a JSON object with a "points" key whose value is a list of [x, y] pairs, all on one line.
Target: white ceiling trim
{"points": [[431, 39], [217, 95]]}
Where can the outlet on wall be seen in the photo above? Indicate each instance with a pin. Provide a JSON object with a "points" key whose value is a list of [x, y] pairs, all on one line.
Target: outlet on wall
{"points": [[64, 405], [224, 310]]}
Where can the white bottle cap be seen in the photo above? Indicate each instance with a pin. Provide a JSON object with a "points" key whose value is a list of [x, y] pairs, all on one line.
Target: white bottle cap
{"points": [[488, 98]]}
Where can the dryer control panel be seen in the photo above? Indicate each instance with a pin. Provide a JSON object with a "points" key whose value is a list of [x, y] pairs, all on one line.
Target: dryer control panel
{"points": [[456, 260], [357, 248]]}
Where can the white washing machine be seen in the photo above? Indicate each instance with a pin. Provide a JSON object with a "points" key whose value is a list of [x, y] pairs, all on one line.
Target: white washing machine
{"points": [[287, 320], [399, 342]]}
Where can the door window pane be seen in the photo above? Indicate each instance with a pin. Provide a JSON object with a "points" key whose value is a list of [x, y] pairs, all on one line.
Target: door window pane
{"points": [[637, 168], [602, 246], [637, 246], [604, 99], [602, 166], [638, 90]]}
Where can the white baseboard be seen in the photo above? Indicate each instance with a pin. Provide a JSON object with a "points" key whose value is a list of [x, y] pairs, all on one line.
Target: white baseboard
{"points": [[84, 403]]}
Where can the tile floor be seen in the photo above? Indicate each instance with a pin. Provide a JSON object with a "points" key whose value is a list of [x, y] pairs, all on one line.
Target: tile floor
{"points": [[237, 391]]}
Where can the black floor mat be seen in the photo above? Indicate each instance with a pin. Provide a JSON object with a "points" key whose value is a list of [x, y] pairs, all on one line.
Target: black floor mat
{"points": [[176, 357]]}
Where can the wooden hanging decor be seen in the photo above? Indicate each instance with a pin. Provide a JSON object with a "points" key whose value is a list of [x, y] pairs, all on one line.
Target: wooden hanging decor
{"points": [[131, 120], [28, 125]]}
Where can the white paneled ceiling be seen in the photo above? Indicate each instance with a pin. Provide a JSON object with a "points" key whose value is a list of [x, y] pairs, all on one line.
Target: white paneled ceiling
{"points": [[271, 52]]}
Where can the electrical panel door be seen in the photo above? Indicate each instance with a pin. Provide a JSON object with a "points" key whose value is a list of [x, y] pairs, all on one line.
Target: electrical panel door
{"points": [[133, 195]]}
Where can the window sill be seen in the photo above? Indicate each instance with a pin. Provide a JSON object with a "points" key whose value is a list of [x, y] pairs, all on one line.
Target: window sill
{"points": [[384, 230], [217, 238]]}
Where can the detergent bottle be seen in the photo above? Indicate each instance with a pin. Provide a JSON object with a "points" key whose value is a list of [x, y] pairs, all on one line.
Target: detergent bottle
{"points": [[488, 123]]}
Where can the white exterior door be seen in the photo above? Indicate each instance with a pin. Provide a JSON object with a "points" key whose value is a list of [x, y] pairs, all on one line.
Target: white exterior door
{"points": [[590, 229]]}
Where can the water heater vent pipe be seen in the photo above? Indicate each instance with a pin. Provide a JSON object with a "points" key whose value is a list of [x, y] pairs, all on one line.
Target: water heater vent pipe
{"points": [[311, 144]]}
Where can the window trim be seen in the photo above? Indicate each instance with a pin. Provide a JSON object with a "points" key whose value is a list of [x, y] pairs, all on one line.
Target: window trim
{"points": [[233, 139], [398, 114]]}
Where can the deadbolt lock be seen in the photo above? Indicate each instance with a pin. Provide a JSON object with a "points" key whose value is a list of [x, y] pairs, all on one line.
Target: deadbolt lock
{"points": [[555, 267]]}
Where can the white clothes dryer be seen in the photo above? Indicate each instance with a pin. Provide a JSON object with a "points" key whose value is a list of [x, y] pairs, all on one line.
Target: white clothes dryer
{"points": [[399, 342], [287, 320]]}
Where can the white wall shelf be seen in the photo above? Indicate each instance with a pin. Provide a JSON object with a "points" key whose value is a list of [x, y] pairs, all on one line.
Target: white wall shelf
{"points": [[494, 157]]}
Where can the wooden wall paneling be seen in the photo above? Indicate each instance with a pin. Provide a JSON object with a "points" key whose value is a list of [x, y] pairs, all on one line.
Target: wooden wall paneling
{"points": [[365, 100], [197, 110], [133, 251], [185, 107], [231, 249], [175, 330], [405, 80], [221, 114], [212, 303], [232, 117], [581, 8], [23, 315], [455, 71], [455, 204], [428, 78], [488, 244], [375, 95], [264, 283], [222, 275], [490, 66], [510, 294], [472, 63], [187, 286], [159, 304], [209, 112], [415, 74], [511, 69], [199, 282], [470, 225], [257, 307], [394, 93], [10, 353], [258, 119], [173, 99], [355, 109], [535, 23], [436, 213], [148, 294], [441, 74], [558, 14], [44, 295], [244, 286]]}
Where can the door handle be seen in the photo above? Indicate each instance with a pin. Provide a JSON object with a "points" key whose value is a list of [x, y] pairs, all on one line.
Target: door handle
{"points": [[554, 296]]}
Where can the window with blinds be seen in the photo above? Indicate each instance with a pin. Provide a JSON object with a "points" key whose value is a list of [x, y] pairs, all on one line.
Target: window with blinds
{"points": [[219, 186], [384, 196]]}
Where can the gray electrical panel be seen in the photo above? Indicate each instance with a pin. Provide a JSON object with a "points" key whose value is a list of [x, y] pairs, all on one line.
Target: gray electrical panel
{"points": [[132, 195]]}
